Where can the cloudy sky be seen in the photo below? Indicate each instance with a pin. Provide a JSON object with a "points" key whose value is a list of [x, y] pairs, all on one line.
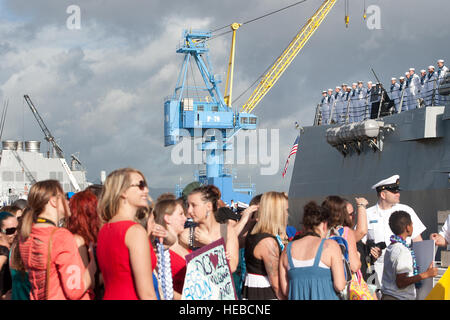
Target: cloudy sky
{"points": [[101, 88]]}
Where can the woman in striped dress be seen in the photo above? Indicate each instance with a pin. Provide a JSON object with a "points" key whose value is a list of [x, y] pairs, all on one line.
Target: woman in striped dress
{"points": [[263, 247]]}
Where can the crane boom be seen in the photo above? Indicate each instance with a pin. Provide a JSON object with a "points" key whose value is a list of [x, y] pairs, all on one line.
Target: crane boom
{"points": [[49, 137], [284, 60]]}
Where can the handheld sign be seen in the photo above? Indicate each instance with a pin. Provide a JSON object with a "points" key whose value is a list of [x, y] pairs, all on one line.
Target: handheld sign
{"points": [[425, 251], [208, 274]]}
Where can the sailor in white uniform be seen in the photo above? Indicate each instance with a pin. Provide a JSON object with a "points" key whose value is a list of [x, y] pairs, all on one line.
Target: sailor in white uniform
{"points": [[407, 98], [388, 192], [325, 108], [331, 104], [361, 91], [395, 93], [402, 98], [368, 104], [429, 86], [441, 71], [354, 103], [345, 96], [442, 238], [338, 104], [414, 88], [423, 76]]}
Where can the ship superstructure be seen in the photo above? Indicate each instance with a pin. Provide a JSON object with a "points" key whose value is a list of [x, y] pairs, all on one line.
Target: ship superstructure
{"points": [[414, 144], [22, 164]]}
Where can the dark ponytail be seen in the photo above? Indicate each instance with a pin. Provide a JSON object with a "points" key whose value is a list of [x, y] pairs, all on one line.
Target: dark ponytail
{"points": [[210, 193], [313, 215]]}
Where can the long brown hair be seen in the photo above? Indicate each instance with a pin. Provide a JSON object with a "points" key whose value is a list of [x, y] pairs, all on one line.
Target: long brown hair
{"points": [[16, 261], [40, 194], [337, 207]]}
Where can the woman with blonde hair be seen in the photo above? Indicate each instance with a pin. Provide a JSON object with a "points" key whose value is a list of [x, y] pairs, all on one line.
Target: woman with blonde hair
{"points": [[50, 252], [124, 253], [263, 247]]}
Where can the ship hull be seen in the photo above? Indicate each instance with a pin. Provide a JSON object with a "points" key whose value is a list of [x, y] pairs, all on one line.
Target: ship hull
{"points": [[418, 149]]}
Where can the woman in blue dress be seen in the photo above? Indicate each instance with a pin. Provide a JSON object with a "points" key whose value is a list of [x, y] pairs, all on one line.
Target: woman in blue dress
{"points": [[311, 267]]}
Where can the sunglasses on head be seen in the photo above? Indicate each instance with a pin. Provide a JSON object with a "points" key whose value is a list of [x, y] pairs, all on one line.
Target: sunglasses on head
{"points": [[9, 231], [141, 185]]}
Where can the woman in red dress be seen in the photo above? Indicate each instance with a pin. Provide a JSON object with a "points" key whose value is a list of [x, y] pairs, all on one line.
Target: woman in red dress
{"points": [[170, 214], [124, 253]]}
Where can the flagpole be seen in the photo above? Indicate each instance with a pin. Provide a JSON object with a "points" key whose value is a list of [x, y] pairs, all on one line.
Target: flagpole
{"points": [[294, 147]]}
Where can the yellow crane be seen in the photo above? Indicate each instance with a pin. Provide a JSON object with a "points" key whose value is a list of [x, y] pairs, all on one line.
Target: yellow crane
{"points": [[274, 73]]}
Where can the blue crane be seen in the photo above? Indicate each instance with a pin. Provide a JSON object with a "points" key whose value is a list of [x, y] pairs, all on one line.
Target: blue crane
{"points": [[212, 118], [206, 117]]}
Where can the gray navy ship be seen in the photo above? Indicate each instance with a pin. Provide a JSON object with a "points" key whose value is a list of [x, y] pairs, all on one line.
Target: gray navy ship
{"points": [[347, 159], [22, 164]]}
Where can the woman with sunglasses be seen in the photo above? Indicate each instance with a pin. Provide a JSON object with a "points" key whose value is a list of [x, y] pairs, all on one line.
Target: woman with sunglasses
{"points": [[124, 253], [8, 231], [49, 252]]}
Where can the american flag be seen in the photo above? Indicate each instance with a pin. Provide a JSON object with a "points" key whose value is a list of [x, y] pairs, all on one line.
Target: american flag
{"points": [[293, 151]]}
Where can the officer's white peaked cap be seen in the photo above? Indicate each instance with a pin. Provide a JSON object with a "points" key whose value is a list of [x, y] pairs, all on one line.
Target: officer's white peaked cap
{"points": [[394, 180]]}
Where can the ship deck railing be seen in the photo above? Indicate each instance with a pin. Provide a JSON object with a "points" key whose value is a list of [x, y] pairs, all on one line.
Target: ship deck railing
{"points": [[356, 109]]}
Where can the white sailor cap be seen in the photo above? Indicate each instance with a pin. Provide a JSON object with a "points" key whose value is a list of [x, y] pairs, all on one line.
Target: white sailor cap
{"points": [[393, 79], [369, 82], [440, 61], [330, 89], [406, 73], [431, 67], [390, 184], [402, 78], [423, 70], [337, 87], [354, 84], [412, 69], [324, 91]]}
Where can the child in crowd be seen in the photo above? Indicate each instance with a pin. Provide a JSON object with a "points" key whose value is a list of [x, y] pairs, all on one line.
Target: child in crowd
{"points": [[400, 275]]}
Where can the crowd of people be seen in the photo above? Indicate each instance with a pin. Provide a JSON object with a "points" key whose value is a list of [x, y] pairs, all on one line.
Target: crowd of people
{"points": [[107, 241], [347, 104]]}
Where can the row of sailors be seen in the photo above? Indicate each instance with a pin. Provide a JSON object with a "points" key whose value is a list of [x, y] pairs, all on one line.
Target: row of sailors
{"points": [[351, 104]]}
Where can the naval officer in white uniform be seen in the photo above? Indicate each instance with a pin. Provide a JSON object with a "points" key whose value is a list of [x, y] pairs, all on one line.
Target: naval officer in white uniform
{"points": [[388, 191]]}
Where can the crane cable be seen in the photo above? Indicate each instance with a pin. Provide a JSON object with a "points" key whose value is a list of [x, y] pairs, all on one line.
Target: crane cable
{"points": [[253, 20], [247, 22]]}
